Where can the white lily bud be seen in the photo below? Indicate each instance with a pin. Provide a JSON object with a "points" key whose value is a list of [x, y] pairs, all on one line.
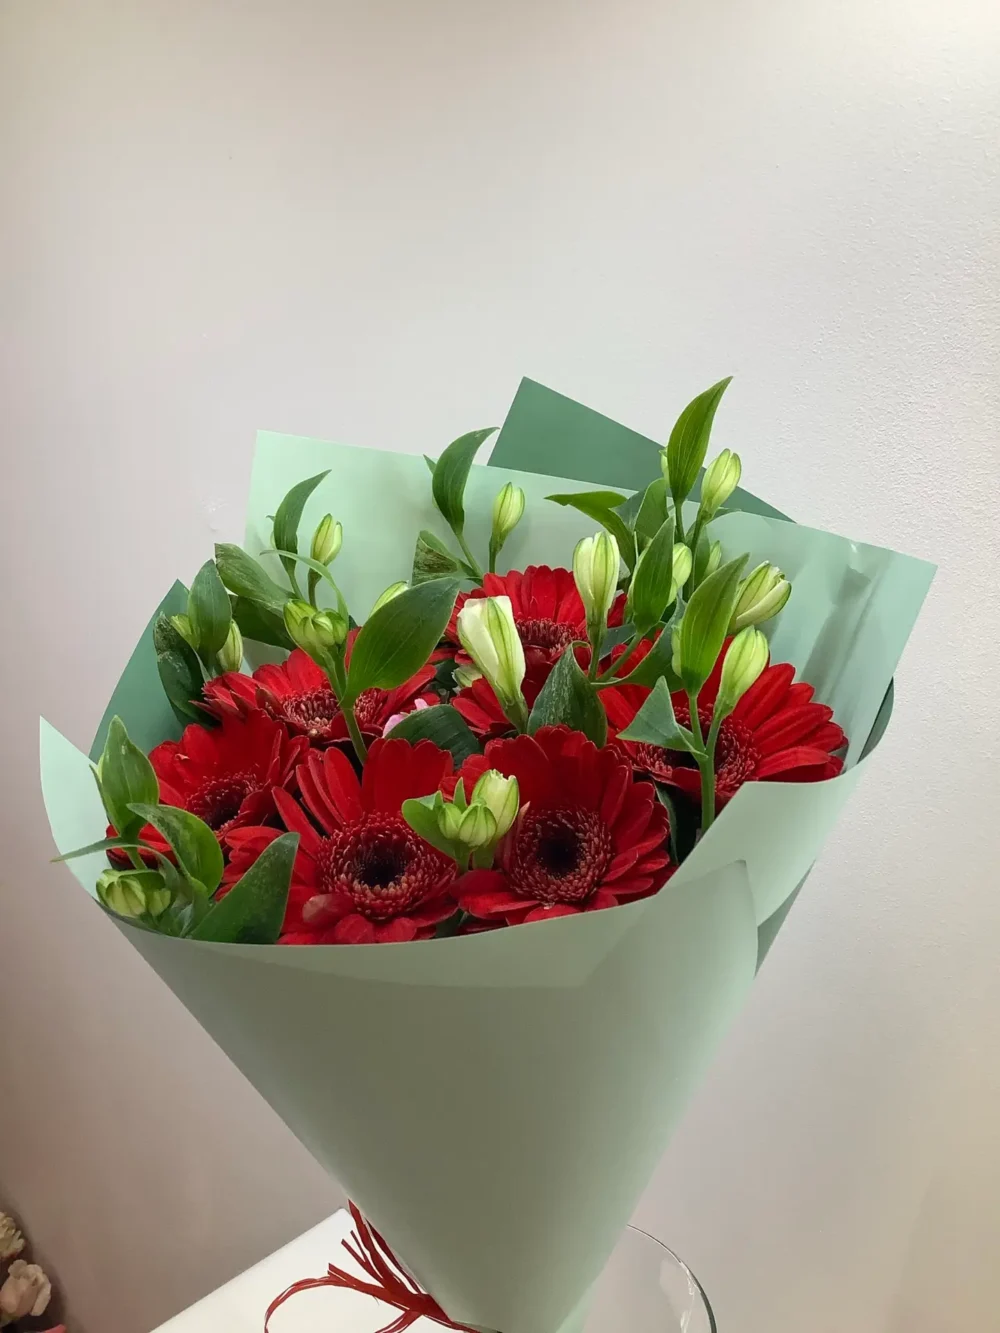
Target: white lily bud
{"points": [[393, 590], [722, 476], [230, 655], [596, 565], [683, 560], [745, 659], [508, 508], [478, 827], [317, 633], [487, 632], [466, 676], [327, 540], [500, 795], [182, 624], [762, 594]]}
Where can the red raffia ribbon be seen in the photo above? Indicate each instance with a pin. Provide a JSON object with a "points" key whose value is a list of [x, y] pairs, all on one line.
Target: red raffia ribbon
{"points": [[390, 1282]]}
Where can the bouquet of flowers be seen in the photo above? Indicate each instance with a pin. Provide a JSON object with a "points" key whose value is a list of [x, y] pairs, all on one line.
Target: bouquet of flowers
{"points": [[464, 829]]}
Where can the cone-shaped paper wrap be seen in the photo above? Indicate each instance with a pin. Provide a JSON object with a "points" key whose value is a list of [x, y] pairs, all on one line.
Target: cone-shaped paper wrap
{"points": [[496, 1103]]}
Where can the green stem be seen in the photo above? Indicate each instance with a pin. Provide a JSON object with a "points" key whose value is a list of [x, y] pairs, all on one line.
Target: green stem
{"points": [[706, 761], [678, 521], [693, 547], [294, 582], [353, 730], [616, 671], [517, 713], [494, 552], [337, 676], [470, 558], [136, 859]]}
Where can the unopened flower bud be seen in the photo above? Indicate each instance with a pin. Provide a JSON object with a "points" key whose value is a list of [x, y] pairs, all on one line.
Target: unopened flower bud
{"points": [[449, 818], [121, 894], [182, 624], [681, 569], [478, 827], [714, 558], [596, 565], [500, 795], [317, 633], [487, 632], [508, 508], [327, 540], [466, 675], [762, 594], [722, 476], [745, 659], [230, 655], [393, 590]]}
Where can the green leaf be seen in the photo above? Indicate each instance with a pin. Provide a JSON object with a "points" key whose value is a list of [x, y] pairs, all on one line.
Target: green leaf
{"points": [[689, 438], [665, 798], [601, 506], [649, 594], [451, 472], [209, 610], [260, 624], [614, 636], [431, 464], [432, 559], [655, 723], [191, 840], [705, 621], [569, 697], [443, 725], [179, 671], [103, 845], [124, 775], [701, 555], [253, 911], [652, 510], [399, 637], [286, 520], [242, 575]]}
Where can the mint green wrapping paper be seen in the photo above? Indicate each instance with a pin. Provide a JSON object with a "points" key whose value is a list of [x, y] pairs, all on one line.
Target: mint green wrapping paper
{"points": [[496, 1103]]}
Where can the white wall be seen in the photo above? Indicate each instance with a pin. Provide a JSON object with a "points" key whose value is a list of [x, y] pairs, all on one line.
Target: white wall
{"points": [[367, 221]]}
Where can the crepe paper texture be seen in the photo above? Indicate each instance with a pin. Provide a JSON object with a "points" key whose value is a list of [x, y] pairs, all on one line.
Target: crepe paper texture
{"points": [[496, 1103]]}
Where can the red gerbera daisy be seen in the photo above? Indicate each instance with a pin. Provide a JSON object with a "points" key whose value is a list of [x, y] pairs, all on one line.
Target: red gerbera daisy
{"points": [[777, 732], [225, 775], [365, 877], [588, 836], [546, 607], [298, 693]]}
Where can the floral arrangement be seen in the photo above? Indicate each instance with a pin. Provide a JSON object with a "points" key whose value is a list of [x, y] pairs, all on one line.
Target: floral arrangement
{"points": [[25, 1290], [550, 741], [566, 755]]}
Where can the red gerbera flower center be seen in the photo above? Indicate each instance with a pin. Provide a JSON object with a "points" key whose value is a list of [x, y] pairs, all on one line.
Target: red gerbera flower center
{"points": [[218, 800], [368, 709], [736, 752], [310, 713], [381, 865], [559, 856], [547, 634], [736, 755]]}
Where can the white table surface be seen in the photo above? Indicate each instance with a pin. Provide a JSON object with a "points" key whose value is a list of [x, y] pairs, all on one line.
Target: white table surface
{"points": [[239, 1306]]}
